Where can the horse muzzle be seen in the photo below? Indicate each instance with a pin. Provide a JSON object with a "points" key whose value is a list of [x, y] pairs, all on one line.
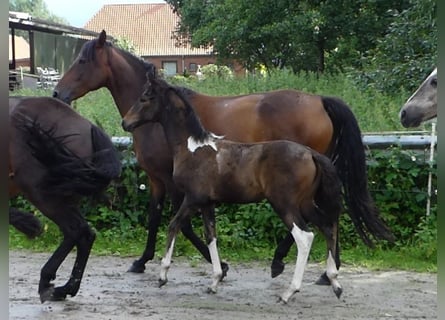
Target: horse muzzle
{"points": [[58, 95]]}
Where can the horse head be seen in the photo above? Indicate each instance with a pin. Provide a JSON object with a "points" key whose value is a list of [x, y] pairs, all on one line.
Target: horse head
{"points": [[150, 104], [88, 72], [422, 105]]}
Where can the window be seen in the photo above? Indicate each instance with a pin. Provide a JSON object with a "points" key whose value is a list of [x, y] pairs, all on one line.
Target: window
{"points": [[192, 67], [170, 68]]}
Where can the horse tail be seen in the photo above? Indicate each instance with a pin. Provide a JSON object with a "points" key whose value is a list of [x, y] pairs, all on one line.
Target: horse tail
{"points": [[328, 191], [25, 222], [348, 155], [68, 174]]}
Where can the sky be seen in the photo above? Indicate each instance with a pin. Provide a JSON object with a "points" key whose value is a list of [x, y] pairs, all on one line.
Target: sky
{"points": [[78, 12]]}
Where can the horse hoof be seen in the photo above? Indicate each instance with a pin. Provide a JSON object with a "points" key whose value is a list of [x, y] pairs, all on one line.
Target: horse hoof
{"points": [[338, 291], [52, 294], [137, 267], [211, 290], [281, 300], [162, 282], [225, 268], [323, 280], [277, 268]]}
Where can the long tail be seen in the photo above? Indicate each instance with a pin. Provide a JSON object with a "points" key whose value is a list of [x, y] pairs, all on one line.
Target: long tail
{"points": [[25, 222], [67, 173], [349, 158]]}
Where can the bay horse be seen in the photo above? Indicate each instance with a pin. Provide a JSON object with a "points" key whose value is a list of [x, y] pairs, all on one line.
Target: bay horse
{"points": [[56, 158], [325, 124], [301, 184], [422, 105]]}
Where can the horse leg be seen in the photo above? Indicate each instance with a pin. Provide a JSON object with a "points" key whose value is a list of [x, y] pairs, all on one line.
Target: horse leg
{"points": [[188, 232], [333, 259], [157, 198], [76, 232], [303, 240], [84, 245], [208, 217], [281, 251], [173, 229]]}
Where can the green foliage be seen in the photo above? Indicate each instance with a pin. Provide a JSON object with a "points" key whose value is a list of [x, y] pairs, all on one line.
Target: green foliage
{"points": [[299, 35], [398, 180], [125, 44], [412, 42]]}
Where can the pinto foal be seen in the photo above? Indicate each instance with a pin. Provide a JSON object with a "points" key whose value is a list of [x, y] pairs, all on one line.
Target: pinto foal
{"points": [[301, 185]]}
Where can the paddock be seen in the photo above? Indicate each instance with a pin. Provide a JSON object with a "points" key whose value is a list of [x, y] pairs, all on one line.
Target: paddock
{"points": [[108, 292]]}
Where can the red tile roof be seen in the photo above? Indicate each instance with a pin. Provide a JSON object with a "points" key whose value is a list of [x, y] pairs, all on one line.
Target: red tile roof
{"points": [[148, 26]]}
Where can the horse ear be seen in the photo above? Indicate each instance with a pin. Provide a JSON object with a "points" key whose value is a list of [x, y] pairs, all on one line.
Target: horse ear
{"points": [[151, 72], [102, 38]]}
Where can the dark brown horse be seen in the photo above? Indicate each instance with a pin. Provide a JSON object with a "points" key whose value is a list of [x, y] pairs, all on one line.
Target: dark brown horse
{"points": [[301, 184], [325, 124], [56, 157]]}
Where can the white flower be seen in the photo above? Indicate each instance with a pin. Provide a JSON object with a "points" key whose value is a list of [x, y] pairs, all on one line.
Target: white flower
{"points": [[142, 187]]}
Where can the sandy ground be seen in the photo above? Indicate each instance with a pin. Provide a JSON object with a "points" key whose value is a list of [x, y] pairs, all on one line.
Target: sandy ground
{"points": [[248, 292]]}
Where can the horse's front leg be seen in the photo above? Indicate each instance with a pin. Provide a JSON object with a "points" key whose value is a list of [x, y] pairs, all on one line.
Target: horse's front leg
{"points": [[304, 242], [188, 232], [157, 190], [173, 229], [208, 216]]}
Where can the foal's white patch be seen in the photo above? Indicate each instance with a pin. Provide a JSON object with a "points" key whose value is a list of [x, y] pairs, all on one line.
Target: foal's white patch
{"points": [[192, 144], [331, 268], [304, 243], [217, 270]]}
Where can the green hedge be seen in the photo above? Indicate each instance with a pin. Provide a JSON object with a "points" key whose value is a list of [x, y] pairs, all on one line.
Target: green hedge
{"points": [[397, 180]]}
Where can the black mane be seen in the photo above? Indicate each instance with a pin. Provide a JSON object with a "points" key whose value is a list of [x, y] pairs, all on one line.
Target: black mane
{"points": [[192, 121]]}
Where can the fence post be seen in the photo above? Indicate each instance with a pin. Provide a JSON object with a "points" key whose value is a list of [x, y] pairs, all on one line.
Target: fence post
{"points": [[432, 146]]}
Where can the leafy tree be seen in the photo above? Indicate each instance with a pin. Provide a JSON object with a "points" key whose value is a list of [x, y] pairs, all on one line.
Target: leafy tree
{"points": [[125, 44], [407, 53], [301, 35]]}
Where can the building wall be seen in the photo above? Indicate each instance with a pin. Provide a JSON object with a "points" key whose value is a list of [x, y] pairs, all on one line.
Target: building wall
{"points": [[189, 63]]}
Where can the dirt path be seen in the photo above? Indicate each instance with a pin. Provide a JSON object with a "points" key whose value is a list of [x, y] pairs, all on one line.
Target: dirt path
{"points": [[108, 292]]}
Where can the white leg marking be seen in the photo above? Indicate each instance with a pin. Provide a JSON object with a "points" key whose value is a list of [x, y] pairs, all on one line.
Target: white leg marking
{"points": [[217, 271], [332, 273], [304, 243], [166, 262]]}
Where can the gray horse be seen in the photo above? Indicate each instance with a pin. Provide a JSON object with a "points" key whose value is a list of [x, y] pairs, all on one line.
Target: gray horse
{"points": [[422, 105]]}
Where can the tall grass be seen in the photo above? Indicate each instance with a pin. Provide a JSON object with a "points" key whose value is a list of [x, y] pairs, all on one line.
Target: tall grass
{"points": [[373, 110]]}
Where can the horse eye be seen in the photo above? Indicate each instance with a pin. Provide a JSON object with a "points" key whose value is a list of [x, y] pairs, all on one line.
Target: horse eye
{"points": [[434, 82]]}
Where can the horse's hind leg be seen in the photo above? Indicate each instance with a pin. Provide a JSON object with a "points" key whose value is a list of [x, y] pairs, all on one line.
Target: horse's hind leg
{"points": [[303, 240], [84, 245], [76, 232], [157, 198], [333, 259]]}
